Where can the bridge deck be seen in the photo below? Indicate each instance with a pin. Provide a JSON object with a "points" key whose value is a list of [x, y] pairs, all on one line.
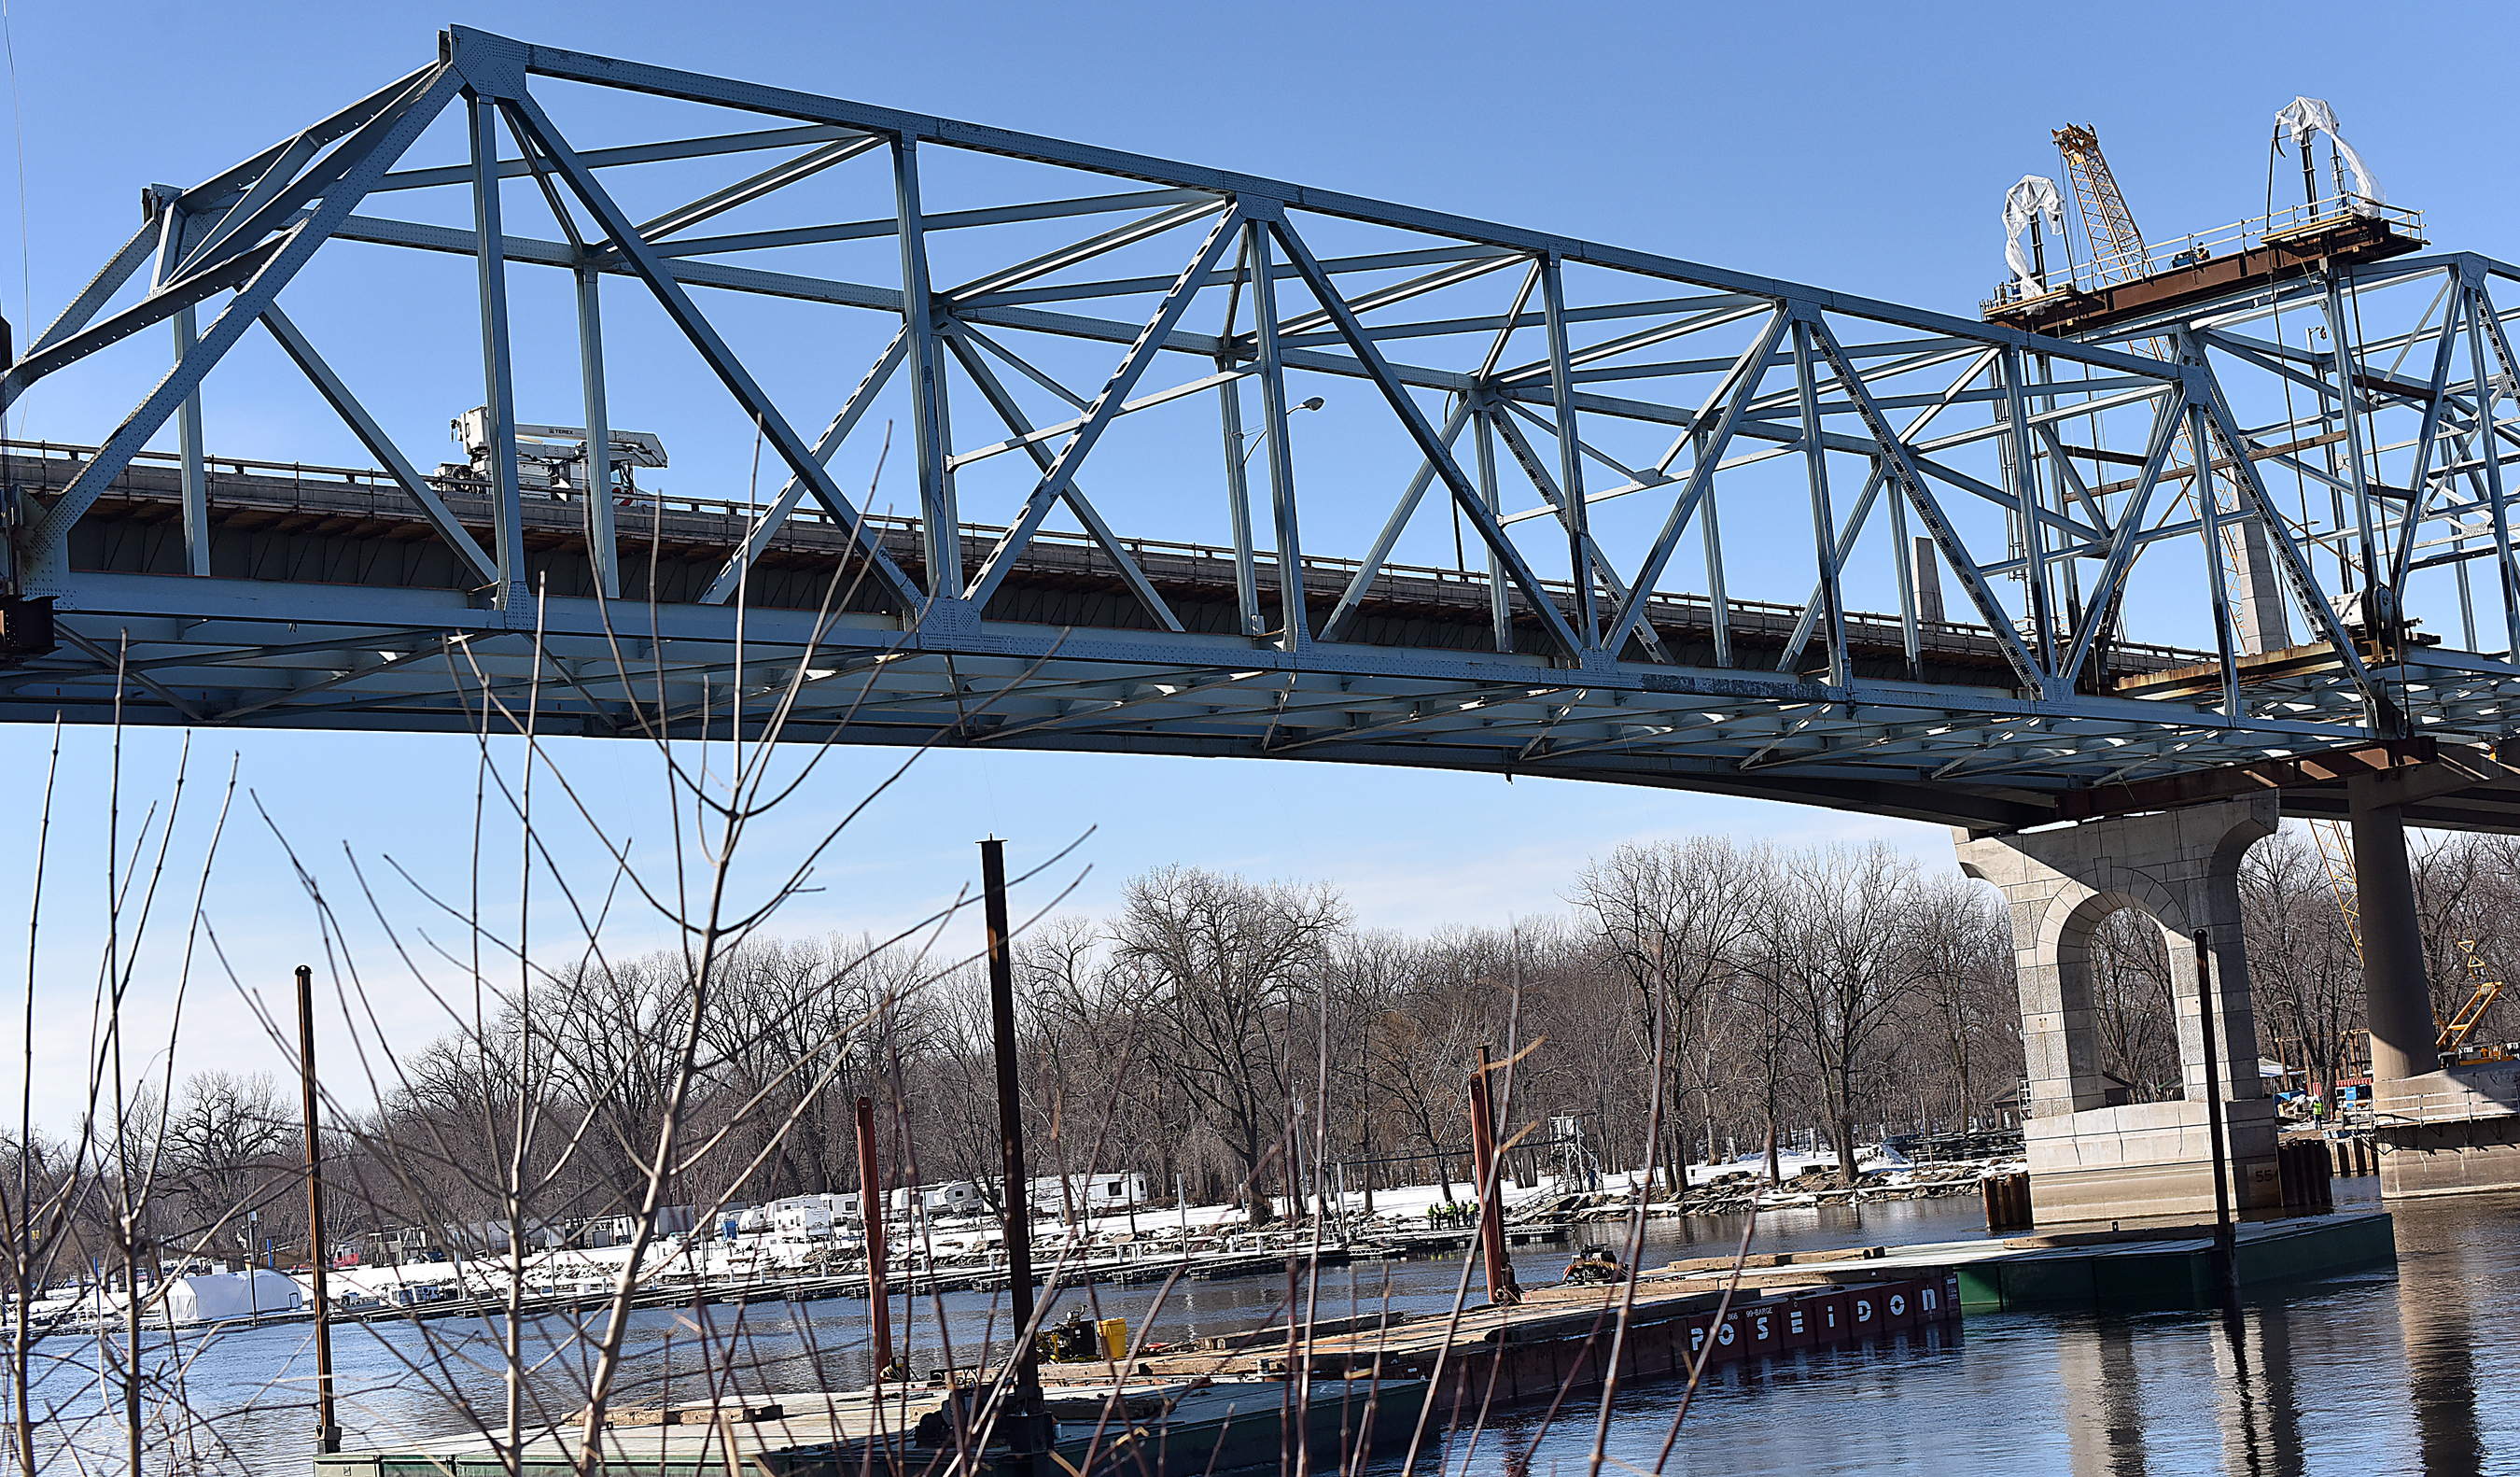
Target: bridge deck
{"points": [[350, 526]]}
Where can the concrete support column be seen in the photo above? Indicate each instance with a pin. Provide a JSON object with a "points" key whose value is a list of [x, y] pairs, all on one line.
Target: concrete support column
{"points": [[2258, 596], [2094, 1154], [2398, 992]]}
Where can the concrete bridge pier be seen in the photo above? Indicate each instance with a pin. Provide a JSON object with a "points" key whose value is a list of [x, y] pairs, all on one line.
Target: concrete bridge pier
{"points": [[2441, 1131], [2093, 1153]]}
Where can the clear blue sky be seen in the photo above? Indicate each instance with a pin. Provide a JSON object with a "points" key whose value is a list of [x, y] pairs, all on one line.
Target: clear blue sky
{"points": [[1861, 147]]}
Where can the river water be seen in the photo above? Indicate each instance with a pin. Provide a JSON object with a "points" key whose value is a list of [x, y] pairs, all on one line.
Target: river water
{"points": [[2386, 1371]]}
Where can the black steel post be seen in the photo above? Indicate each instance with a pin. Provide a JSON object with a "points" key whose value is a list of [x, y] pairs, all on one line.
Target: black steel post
{"points": [[327, 1431], [2227, 1270], [871, 1209], [1025, 1405], [1502, 1290]]}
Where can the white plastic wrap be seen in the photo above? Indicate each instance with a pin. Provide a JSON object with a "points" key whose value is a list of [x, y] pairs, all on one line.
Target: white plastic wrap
{"points": [[2308, 118], [2034, 194]]}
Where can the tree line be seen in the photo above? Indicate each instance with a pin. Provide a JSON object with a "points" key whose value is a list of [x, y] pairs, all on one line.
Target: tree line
{"points": [[1246, 1041]]}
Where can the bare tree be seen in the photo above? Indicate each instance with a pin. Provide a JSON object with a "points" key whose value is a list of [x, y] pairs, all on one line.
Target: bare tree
{"points": [[1226, 959], [1844, 955]]}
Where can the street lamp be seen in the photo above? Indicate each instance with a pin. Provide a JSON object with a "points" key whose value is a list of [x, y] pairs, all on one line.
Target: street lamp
{"points": [[1312, 403]]}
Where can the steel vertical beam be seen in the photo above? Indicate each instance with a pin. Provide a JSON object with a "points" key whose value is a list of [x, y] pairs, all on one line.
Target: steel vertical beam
{"points": [[188, 446], [194, 482], [1500, 607], [1295, 626], [2210, 528], [467, 549], [1832, 599], [602, 549], [703, 336], [1570, 451], [497, 373], [2508, 574], [2349, 407], [1719, 604], [1237, 502], [1911, 638], [940, 523], [2033, 529]]}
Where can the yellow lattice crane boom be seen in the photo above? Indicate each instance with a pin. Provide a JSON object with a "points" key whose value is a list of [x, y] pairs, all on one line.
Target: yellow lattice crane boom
{"points": [[2103, 206], [2116, 253], [2336, 850]]}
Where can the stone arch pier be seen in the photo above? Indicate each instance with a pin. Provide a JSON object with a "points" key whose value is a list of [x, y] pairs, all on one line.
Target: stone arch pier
{"points": [[2094, 1154]]}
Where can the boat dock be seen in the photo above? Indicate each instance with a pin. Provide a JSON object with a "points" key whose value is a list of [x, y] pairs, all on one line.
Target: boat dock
{"points": [[1235, 1401], [2161, 1265]]}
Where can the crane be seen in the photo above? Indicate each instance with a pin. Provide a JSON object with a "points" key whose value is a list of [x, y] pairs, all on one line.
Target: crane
{"points": [[2107, 219], [2336, 853]]}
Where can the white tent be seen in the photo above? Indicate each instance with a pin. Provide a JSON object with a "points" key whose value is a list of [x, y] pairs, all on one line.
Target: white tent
{"points": [[219, 1296]]}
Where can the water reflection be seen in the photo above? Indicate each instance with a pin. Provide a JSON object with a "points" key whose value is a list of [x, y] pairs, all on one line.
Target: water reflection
{"points": [[2373, 1372], [2103, 1396], [2434, 1322]]}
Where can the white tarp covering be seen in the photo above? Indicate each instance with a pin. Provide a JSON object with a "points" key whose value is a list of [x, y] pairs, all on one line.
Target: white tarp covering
{"points": [[218, 1296], [2034, 194], [2308, 118]]}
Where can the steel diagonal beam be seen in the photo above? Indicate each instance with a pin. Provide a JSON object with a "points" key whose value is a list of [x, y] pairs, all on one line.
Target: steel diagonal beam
{"points": [[1141, 229], [263, 191], [1061, 472], [270, 210], [100, 289], [1627, 344], [1042, 434], [703, 336], [722, 589], [2279, 537], [2434, 402], [254, 296], [2124, 546], [156, 308], [1733, 393], [1466, 495], [1137, 287], [994, 390], [1504, 327], [1020, 365], [1401, 292], [380, 446], [1947, 537], [1989, 493], [1370, 567], [630, 154], [1846, 537], [386, 662], [111, 659], [1555, 497], [610, 72], [208, 195], [1188, 692], [769, 181]]}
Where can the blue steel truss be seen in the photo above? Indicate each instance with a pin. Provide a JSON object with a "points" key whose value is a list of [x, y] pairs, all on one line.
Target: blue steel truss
{"points": [[1677, 432]]}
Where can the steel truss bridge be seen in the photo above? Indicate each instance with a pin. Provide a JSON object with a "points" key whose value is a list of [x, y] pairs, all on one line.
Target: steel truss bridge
{"points": [[1677, 491]]}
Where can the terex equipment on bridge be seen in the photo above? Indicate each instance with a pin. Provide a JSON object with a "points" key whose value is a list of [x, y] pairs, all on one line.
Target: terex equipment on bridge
{"points": [[2219, 522]]}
